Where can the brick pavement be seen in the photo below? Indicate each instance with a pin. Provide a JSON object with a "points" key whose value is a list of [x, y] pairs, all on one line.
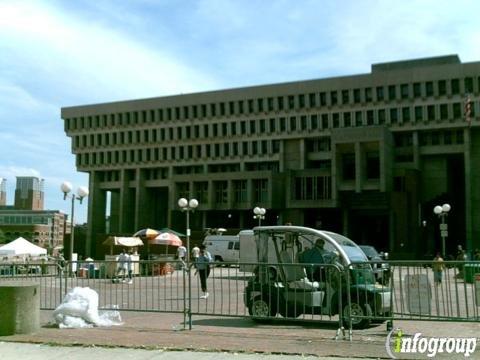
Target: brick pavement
{"points": [[165, 331]]}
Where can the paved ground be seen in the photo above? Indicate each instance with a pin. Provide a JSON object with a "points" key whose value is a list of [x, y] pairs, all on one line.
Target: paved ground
{"points": [[160, 331]]}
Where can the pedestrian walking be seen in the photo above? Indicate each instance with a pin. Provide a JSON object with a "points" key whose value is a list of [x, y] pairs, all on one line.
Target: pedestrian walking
{"points": [[437, 267], [195, 252], [202, 263]]}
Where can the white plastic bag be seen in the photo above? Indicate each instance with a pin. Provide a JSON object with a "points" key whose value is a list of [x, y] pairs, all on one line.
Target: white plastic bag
{"points": [[79, 309]]}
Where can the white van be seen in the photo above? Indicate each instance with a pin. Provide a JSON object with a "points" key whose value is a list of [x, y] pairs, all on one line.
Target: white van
{"points": [[248, 251], [224, 248]]}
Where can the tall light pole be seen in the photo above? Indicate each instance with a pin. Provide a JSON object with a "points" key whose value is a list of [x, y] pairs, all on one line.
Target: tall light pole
{"points": [[82, 192], [187, 206], [259, 214], [442, 212]]}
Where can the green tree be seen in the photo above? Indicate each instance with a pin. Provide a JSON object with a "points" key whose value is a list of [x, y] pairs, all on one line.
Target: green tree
{"points": [[3, 238]]}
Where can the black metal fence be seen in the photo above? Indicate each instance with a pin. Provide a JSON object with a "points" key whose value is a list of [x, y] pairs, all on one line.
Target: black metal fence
{"points": [[355, 296]]}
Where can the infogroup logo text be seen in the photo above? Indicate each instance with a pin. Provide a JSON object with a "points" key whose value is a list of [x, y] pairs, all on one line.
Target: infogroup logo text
{"points": [[397, 343]]}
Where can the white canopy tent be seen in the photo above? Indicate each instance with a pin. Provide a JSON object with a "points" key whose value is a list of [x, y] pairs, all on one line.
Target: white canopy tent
{"points": [[21, 246]]}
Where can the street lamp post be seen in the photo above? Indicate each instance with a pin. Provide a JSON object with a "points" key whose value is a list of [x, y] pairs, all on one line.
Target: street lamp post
{"points": [[187, 206], [82, 192], [259, 214], [442, 212]]}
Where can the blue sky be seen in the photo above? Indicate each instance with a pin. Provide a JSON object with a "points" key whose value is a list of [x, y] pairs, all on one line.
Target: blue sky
{"points": [[62, 53]]}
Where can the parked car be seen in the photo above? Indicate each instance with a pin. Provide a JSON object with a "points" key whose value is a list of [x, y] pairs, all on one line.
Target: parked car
{"points": [[381, 269], [284, 288]]}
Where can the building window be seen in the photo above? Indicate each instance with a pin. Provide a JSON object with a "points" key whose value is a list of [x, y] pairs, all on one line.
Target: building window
{"points": [[272, 125], [404, 91], [260, 190], [313, 100], [406, 114], [323, 99], [335, 120], [220, 192], [280, 103], [370, 117], [240, 191], [381, 116], [348, 166], [312, 188], [392, 92], [443, 111], [301, 101], [380, 94], [293, 123], [356, 96], [429, 88], [200, 190], [417, 90], [333, 98], [468, 85], [457, 111], [347, 119], [455, 84], [393, 116], [291, 102], [325, 121], [431, 112], [368, 94], [373, 165], [314, 121], [345, 97], [418, 113], [442, 87], [358, 118]]}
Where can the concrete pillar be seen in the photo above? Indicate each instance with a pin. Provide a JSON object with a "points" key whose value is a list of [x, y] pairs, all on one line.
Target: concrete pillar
{"points": [[96, 213], [127, 204], [19, 308]]}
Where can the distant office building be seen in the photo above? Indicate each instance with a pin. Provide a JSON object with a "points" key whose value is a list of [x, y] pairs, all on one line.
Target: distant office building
{"points": [[29, 193], [27, 218], [42, 227], [366, 155]]}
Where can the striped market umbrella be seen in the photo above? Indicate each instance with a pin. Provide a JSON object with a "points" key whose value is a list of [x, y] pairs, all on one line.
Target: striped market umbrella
{"points": [[166, 238], [147, 233]]}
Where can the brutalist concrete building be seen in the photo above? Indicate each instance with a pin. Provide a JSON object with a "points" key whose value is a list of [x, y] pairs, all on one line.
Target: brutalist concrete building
{"points": [[367, 155]]}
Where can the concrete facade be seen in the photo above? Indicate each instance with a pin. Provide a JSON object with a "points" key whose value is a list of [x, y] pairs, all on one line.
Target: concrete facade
{"points": [[367, 155]]}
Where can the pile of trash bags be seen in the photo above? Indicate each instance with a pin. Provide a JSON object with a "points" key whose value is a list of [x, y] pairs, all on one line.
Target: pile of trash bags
{"points": [[79, 309]]}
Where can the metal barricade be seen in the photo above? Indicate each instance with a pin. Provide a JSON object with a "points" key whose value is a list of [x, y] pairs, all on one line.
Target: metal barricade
{"points": [[414, 290], [47, 274]]}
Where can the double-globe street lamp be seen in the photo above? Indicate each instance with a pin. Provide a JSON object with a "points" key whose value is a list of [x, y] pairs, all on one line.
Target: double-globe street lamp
{"points": [[442, 212], [82, 192], [187, 206], [259, 214]]}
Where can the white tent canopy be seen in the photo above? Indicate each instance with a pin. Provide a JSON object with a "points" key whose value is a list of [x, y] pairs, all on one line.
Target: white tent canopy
{"points": [[21, 246]]}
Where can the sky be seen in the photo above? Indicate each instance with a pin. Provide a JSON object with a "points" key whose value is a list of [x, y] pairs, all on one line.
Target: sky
{"points": [[56, 53]]}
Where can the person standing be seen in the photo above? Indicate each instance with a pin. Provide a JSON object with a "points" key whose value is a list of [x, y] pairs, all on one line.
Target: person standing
{"points": [[130, 265], [461, 258], [181, 252], [202, 263], [437, 267], [122, 267], [314, 256]]}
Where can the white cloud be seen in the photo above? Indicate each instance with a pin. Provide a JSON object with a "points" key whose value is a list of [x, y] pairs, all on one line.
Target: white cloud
{"points": [[88, 58]]}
